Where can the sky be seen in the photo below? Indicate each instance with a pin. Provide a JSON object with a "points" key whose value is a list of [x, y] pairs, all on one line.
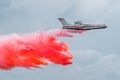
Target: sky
{"points": [[95, 53]]}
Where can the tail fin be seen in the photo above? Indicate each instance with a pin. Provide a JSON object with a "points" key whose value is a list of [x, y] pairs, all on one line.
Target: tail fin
{"points": [[63, 22]]}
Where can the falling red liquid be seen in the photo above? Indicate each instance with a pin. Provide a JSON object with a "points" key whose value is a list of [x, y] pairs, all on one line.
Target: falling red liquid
{"points": [[66, 32], [34, 50]]}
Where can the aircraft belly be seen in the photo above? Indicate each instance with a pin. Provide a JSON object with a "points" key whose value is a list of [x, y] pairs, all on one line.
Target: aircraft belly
{"points": [[82, 27], [72, 27]]}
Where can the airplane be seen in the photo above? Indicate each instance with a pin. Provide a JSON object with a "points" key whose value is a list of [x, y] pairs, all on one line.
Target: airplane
{"points": [[78, 25]]}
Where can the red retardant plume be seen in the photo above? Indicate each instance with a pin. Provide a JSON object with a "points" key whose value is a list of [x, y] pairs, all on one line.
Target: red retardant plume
{"points": [[33, 50]]}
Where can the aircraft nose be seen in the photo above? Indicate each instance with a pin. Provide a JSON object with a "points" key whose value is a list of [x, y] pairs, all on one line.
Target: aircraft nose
{"points": [[105, 26]]}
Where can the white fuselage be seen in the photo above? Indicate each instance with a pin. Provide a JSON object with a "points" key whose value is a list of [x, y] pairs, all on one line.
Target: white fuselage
{"points": [[84, 26]]}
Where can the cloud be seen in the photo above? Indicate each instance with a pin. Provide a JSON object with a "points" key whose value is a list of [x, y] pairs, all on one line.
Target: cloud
{"points": [[93, 7], [21, 16], [97, 65], [4, 4]]}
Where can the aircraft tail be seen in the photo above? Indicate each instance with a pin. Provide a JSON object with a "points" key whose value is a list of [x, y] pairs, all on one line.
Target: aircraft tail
{"points": [[63, 22]]}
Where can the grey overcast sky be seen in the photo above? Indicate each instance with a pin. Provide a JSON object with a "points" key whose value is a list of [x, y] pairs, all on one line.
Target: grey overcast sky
{"points": [[96, 53]]}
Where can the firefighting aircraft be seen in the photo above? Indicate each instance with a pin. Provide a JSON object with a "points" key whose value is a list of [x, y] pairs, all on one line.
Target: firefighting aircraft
{"points": [[78, 25]]}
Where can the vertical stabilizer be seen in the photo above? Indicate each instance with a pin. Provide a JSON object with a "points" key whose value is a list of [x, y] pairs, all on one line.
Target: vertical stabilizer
{"points": [[63, 22]]}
